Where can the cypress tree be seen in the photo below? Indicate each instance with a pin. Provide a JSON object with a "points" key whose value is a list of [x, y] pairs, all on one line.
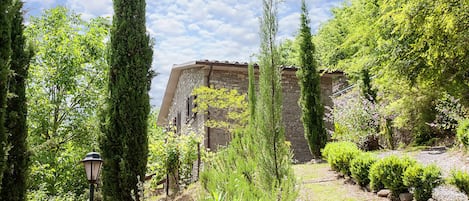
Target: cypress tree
{"points": [[15, 174], [5, 53], [367, 90], [275, 169], [251, 94], [125, 145], [309, 81]]}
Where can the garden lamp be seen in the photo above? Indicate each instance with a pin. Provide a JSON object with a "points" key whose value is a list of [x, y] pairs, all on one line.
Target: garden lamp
{"points": [[92, 163]]}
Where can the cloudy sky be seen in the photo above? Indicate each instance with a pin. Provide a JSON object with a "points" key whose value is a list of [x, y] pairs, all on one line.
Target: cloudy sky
{"points": [[187, 30]]}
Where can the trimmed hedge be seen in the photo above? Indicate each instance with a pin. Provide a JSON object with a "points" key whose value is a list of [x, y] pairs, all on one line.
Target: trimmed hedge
{"points": [[360, 167], [462, 132], [395, 173], [461, 180], [340, 154], [388, 173], [422, 180]]}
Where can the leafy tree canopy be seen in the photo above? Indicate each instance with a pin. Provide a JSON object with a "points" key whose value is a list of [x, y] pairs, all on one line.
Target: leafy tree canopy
{"points": [[65, 94]]}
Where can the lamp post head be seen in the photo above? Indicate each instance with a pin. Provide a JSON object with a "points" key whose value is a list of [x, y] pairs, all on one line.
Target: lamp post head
{"points": [[92, 163]]}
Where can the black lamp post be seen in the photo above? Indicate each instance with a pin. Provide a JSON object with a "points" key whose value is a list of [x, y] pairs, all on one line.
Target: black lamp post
{"points": [[92, 163]]}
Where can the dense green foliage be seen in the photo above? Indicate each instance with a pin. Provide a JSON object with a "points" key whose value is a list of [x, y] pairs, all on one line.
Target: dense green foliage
{"points": [[168, 152], [461, 180], [65, 86], [310, 97], [251, 94], [422, 180], [355, 117], [5, 54], [125, 145], [340, 154], [232, 174], [462, 132], [360, 167], [388, 173], [15, 175], [413, 52]]}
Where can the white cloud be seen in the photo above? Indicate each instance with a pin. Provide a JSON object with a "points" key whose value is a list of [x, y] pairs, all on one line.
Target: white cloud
{"points": [[168, 27], [90, 9], [187, 30]]}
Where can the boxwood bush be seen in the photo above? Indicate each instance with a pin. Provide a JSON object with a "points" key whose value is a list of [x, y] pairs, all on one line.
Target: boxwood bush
{"points": [[462, 132], [340, 154], [360, 166], [461, 180], [388, 173], [422, 180]]}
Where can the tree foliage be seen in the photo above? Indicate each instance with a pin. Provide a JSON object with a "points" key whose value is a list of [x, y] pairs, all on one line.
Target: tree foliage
{"points": [[233, 105], [411, 50], [310, 97], [125, 145], [5, 54], [15, 174], [275, 168], [256, 165], [65, 90]]}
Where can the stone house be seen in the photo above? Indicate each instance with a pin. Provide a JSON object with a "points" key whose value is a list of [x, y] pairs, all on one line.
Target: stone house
{"points": [[177, 105]]}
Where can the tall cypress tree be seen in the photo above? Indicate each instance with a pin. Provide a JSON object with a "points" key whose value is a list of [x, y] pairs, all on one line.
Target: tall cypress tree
{"points": [[309, 81], [367, 91], [15, 174], [5, 53], [125, 145], [275, 167], [251, 94]]}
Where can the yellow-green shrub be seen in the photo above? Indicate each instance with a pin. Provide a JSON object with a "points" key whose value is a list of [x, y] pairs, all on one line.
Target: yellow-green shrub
{"points": [[388, 172], [360, 166], [423, 180], [461, 180], [340, 154], [462, 132]]}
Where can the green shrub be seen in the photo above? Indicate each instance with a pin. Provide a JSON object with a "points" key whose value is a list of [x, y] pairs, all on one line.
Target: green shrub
{"points": [[461, 180], [360, 166], [462, 132], [423, 180], [388, 173], [340, 154]]}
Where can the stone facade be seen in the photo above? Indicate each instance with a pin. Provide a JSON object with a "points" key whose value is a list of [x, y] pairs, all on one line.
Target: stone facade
{"points": [[188, 81], [236, 77]]}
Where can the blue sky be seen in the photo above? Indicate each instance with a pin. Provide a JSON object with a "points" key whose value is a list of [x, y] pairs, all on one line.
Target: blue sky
{"points": [[187, 30]]}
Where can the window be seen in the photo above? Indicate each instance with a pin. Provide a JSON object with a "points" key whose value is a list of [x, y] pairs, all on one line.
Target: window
{"points": [[178, 122], [190, 105]]}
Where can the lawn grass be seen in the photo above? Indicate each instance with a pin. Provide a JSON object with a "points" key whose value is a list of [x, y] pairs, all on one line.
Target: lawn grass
{"points": [[318, 182]]}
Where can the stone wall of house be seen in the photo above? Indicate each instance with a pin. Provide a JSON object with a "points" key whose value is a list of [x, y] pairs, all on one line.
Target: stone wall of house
{"points": [[213, 138], [188, 81], [230, 80], [291, 110]]}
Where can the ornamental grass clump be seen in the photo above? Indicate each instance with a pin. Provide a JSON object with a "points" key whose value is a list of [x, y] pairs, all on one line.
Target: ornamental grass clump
{"points": [[388, 172], [360, 167], [340, 154], [422, 180]]}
